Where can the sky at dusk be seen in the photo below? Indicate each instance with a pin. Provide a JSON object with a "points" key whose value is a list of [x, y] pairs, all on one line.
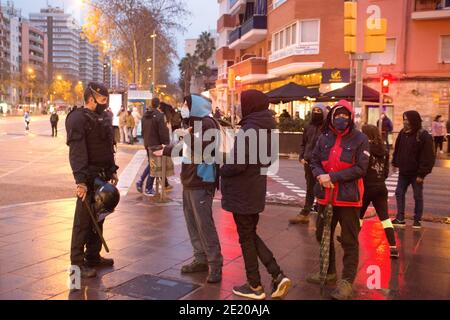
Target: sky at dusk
{"points": [[204, 15]]}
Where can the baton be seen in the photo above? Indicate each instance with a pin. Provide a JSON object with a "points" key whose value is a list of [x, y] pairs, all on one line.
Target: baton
{"points": [[97, 228]]}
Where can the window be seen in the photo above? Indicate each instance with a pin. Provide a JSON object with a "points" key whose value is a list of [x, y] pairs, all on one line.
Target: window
{"points": [[389, 56], [288, 36], [294, 33], [309, 31], [285, 38], [277, 3], [445, 49]]}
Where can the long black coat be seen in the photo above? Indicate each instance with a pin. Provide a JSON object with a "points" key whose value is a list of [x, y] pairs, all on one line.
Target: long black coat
{"points": [[243, 186]]}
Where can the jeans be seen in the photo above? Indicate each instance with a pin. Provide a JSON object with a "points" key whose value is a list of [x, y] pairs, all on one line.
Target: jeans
{"points": [[54, 129], [348, 218], [197, 207], [84, 236], [310, 182], [253, 248], [402, 187]]}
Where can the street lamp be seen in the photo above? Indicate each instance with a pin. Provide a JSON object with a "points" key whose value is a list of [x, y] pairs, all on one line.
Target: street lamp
{"points": [[153, 36]]}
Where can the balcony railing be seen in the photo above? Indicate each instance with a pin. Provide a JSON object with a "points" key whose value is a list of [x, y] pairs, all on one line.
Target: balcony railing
{"points": [[255, 22], [234, 35]]}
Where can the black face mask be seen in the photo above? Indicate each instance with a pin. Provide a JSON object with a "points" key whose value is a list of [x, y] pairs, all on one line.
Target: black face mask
{"points": [[100, 108], [317, 118]]}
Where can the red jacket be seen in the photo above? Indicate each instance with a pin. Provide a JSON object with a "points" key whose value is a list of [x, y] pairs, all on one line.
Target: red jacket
{"points": [[345, 157]]}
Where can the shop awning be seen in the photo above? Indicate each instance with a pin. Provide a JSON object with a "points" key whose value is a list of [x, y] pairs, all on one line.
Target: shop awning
{"points": [[291, 92], [348, 93]]}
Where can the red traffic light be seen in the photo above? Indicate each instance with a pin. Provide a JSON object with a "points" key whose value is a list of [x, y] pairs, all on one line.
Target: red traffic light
{"points": [[385, 82]]}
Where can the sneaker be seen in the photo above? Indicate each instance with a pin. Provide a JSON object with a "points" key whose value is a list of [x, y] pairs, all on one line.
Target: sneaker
{"points": [[87, 272], [247, 291], [215, 276], [280, 286], [194, 267], [150, 193], [343, 291], [417, 225], [101, 262], [315, 278], [139, 187], [399, 223], [394, 252], [300, 218]]}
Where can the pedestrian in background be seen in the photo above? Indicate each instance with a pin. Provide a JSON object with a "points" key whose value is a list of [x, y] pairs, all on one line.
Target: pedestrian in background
{"points": [[310, 136], [54, 118], [27, 119], [386, 128], [130, 126], [375, 190], [123, 125], [244, 194], [439, 132], [339, 163], [414, 157], [137, 120]]}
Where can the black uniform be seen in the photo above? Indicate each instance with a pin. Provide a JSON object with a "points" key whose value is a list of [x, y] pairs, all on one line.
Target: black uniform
{"points": [[90, 139]]}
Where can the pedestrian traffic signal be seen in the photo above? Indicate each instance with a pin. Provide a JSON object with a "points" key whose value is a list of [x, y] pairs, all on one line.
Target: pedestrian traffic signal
{"points": [[375, 36], [231, 79], [385, 82], [350, 12]]}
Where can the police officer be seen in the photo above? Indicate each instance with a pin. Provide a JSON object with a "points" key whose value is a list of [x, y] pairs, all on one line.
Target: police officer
{"points": [[90, 140]]}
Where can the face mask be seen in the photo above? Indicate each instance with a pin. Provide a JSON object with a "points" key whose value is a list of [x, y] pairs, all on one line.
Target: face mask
{"points": [[100, 108], [185, 114], [317, 118], [341, 124], [406, 127]]}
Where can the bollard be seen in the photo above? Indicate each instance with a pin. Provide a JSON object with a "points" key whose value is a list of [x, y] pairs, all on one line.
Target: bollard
{"points": [[163, 180]]}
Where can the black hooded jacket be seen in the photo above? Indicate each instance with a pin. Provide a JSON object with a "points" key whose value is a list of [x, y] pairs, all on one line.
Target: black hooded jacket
{"points": [[414, 152], [154, 129], [378, 169], [243, 186]]}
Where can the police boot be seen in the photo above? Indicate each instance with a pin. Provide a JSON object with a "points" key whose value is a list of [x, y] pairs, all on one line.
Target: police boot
{"points": [[100, 262]]}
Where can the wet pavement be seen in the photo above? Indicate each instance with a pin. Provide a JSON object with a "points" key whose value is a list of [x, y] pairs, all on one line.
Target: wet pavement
{"points": [[148, 238]]}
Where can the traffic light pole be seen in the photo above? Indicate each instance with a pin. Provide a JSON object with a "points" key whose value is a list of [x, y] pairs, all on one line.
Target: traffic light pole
{"points": [[359, 59]]}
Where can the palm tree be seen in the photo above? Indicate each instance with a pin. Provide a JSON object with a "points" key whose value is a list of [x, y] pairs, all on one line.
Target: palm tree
{"points": [[188, 66], [204, 50]]}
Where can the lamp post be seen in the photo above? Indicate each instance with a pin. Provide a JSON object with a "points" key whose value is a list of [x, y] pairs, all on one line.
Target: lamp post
{"points": [[153, 36]]}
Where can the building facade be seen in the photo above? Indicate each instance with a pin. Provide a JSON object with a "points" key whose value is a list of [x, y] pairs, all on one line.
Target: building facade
{"points": [[63, 34], [86, 60]]}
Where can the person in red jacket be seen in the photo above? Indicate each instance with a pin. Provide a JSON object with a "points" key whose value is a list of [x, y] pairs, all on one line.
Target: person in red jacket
{"points": [[339, 162]]}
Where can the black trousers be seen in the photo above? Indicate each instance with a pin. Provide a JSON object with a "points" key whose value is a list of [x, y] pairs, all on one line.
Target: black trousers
{"points": [[438, 143], [253, 248], [84, 236], [348, 218], [310, 182], [378, 196], [54, 129]]}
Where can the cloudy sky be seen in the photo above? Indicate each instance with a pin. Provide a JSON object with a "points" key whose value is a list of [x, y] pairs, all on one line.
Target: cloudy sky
{"points": [[204, 15]]}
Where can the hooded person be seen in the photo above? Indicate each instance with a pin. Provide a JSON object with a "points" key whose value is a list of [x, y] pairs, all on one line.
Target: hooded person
{"points": [[310, 136], [375, 190], [414, 157], [199, 177], [339, 162], [237, 180]]}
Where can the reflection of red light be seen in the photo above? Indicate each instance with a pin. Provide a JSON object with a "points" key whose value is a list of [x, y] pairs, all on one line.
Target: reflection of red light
{"points": [[385, 82]]}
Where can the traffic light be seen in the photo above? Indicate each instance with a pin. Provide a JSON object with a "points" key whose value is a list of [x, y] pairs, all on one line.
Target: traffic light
{"points": [[350, 12], [385, 82], [375, 36], [231, 78]]}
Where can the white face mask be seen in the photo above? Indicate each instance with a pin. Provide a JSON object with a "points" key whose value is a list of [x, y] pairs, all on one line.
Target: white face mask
{"points": [[185, 114]]}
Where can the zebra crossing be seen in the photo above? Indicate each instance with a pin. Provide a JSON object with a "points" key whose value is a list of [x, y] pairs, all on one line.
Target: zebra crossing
{"points": [[391, 184]]}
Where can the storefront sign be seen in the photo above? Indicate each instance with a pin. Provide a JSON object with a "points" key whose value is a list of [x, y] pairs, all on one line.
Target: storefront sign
{"points": [[335, 75], [298, 50]]}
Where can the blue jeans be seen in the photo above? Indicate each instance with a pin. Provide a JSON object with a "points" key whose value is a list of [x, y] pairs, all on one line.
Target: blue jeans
{"points": [[150, 180], [402, 187]]}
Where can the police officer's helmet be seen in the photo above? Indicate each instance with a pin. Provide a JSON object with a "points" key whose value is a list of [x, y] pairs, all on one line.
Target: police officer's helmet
{"points": [[106, 197]]}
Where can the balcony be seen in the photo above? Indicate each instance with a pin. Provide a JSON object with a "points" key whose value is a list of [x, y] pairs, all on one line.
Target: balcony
{"points": [[431, 10], [250, 70], [225, 21], [250, 32], [224, 54], [235, 6]]}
